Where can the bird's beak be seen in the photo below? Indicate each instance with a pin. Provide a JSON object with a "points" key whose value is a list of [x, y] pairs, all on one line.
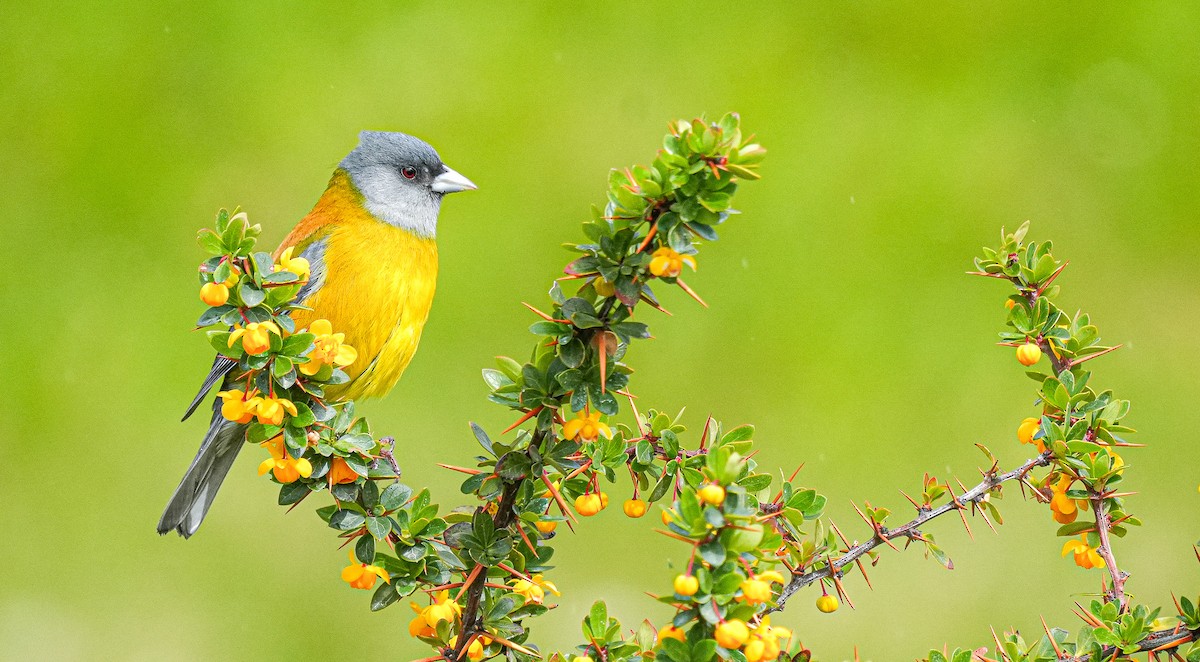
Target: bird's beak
{"points": [[451, 182]]}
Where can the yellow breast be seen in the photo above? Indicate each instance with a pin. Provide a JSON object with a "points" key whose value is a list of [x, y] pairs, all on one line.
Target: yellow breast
{"points": [[378, 289]]}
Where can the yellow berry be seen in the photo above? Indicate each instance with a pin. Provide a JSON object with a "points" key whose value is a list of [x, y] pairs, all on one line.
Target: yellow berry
{"points": [[635, 508], [603, 287], [712, 494], [1029, 354], [603, 500], [827, 603], [686, 585], [732, 634], [214, 294], [756, 591], [546, 527], [670, 632], [754, 650], [588, 504], [1027, 429], [666, 516]]}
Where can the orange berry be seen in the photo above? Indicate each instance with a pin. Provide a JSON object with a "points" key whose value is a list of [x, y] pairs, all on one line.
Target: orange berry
{"points": [[666, 517], [603, 500], [1029, 354], [588, 504], [546, 527], [686, 585], [214, 294], [712, 494], [732, 634], [635, 508], [1009, 303]]}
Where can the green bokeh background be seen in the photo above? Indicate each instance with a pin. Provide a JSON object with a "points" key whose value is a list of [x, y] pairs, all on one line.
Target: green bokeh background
{"points": [[841, 323]]}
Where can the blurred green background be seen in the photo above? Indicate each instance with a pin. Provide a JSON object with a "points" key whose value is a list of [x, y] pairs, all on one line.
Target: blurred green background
{"points": [[901, 137]]}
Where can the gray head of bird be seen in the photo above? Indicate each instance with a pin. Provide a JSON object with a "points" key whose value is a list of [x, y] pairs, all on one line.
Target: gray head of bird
{"points": [[402, 180]]}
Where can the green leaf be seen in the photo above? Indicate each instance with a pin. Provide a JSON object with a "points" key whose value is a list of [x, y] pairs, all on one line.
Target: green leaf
{"points": [[290, 493], [598, 620], [740, 433], [364, 550], [384, 596], [346, 519], [713, 552], [378, 526], [250, 294]]}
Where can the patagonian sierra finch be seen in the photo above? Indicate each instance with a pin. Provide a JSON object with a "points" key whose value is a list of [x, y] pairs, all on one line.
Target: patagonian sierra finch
{"points": [[370, 245]]}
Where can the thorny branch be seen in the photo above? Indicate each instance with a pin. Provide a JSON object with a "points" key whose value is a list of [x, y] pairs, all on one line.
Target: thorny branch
{"points": [[910, 530], [1103, 523]]}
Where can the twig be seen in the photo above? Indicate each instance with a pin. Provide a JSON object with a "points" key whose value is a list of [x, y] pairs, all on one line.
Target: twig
{"points": [[1105, 550], [910, 529]]}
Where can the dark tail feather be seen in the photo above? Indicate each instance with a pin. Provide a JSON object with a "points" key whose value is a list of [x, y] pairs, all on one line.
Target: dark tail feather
{"points": [[191, 500]]}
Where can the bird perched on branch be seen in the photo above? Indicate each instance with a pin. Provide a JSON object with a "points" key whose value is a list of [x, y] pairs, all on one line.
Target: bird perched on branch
{"points": [[370, 245]]}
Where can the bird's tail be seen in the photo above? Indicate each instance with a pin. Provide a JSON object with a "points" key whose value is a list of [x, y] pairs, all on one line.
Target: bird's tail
{"points": [[191, 500]]}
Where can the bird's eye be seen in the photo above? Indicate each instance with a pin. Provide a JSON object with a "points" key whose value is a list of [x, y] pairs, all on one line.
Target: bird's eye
{"points": [[409, 172]]}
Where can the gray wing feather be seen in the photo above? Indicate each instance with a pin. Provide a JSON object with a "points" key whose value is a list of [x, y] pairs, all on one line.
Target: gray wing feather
{"points": [[192, 499]]}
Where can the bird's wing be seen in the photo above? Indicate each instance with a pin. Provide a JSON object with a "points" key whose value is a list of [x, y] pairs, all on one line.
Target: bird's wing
{"points": [[312, 248], [220, 366]]}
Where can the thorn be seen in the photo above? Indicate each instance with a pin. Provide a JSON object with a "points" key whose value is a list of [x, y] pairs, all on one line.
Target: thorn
{"points": [[517, 647], [649, 236], [515, 573], [655, 306], [544, 315], [637, 417], [793, 476], [839, 534], [1050, 279], [1037, 494], [1049, 636], [558, 497], [841, 590], [683, 285], [582, 468], [528, 415], [676, 536], [521, 530], [471, 578], [910, 500], [987, 521], [602, 346], [863, 570], [987, 275], [464, 470], [1074, 362], [999, 646]]}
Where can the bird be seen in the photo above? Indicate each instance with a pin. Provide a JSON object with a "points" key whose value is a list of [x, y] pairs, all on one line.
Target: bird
{"points": [[370, 241]]}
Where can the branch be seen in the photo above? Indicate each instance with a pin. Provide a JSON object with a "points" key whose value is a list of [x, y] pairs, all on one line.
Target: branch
{"points": [[910, 530], [472, 620], [1158, 641], [1105, 551]]}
